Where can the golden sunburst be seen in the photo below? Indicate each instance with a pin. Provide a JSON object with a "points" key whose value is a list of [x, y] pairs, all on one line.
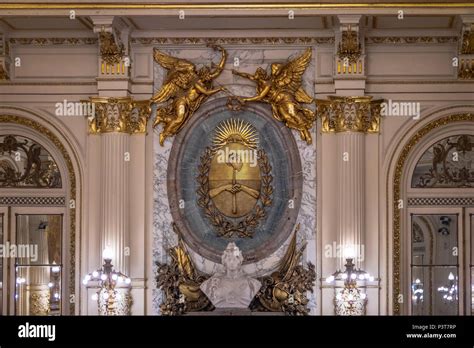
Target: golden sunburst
{"points": [[235, 131]]}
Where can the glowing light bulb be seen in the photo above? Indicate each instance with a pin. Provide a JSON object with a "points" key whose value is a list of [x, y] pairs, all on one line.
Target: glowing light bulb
{"points": [[330, 279], [50, 285], [344, 276], [363, 296], [107, 254], [114, 276], [361, 277], [451, 276], [103, 277], [349, 252], [353, 276], [95, 274], [417, 280], [128, 280]]}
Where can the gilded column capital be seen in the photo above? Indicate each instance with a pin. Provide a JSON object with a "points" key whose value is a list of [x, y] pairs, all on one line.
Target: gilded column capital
{"points": [[120, 115], [349, 114]]}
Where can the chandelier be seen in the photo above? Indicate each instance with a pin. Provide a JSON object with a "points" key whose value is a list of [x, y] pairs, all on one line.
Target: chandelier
{"points": [[450, 291]]}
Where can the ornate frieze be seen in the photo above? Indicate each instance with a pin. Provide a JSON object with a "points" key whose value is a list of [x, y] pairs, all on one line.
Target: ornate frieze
{"points": [[349, 114], [232, 40], [43, 41], [410, 39], [122, 115]]}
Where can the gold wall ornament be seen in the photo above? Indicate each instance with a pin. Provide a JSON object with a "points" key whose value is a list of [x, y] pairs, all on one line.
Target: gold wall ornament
{"points": [[123, 115], [467, 44], [234, 181], [349, 114], [349, 49], [466, 69], [111, 49], [180, 282], [397, 189], [184, 90], [283, 91], [285, 290], [4, 72]]}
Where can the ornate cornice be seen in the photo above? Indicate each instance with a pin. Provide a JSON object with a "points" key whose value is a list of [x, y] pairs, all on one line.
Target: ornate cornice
{"points": [[232, 40], [43, 41], [122, 115], [410, 39], [349, 114]]}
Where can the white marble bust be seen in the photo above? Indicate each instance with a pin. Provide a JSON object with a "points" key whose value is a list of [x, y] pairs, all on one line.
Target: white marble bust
{"points": [[231, 288]]}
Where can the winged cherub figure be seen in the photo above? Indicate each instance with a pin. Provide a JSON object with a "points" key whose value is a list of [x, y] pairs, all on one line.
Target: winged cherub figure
{"points": [[283, 91], [186, 88]]}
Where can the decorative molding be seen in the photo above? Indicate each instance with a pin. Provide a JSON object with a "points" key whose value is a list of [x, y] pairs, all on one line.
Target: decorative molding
{"points": [[397, 181], [70, 41], [410, 39], [349, 114], [234, 6], [122, 115], [18, 120], [29, 201], [443, 201], [232, 40]]}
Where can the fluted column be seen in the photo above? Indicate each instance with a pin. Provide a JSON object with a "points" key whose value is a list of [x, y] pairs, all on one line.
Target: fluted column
{"points": [[350, 118], [115, 197], [351, 219]]}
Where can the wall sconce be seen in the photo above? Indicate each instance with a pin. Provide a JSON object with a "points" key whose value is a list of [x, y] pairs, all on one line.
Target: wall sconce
{"points": [[350, 300], [110, 300]]}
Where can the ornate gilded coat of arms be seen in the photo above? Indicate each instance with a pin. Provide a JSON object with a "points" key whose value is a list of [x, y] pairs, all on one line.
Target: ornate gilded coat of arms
{"points": [[234, 181]]}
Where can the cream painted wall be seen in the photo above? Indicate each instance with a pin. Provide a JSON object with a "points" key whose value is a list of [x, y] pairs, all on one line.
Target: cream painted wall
{"points": [[409, 72]]}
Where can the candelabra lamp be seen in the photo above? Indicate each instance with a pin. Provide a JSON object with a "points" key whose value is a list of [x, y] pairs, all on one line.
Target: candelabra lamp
{"points": [[113, 296], [450, 290], [349, 300]]}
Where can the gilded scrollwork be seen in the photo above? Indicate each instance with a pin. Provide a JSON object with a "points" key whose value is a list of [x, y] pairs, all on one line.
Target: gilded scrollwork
{"points": [[283, 90], [184, 90], [24, 163]]}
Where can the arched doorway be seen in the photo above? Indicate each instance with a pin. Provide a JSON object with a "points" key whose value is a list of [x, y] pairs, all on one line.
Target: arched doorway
{"points": [[430, 219], [39, 217]]}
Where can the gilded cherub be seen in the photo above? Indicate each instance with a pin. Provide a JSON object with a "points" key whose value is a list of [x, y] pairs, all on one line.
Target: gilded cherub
{"points": [[283, 91], [186, 87]]}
